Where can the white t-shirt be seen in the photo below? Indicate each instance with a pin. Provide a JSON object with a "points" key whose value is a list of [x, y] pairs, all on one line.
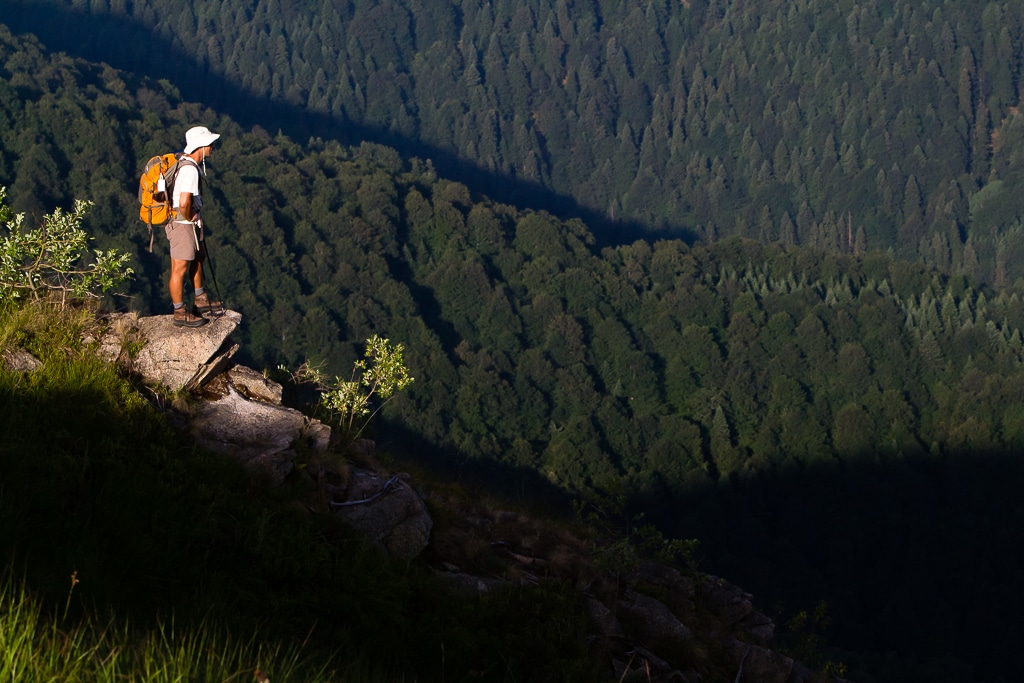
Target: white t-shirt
{"points": [[187, 180]]}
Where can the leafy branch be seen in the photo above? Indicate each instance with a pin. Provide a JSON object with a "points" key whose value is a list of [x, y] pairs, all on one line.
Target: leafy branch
{"points": [[49, 259], [381, 373]]}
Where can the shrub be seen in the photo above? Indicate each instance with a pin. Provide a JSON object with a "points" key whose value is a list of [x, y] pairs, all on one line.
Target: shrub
{"points": [[381, 373], [50, 259]]}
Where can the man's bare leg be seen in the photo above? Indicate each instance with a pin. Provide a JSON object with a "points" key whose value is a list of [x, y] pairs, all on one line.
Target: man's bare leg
{"points": [[183, 317], [176, 284]]}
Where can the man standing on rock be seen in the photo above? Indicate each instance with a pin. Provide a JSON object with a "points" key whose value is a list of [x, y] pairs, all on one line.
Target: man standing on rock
{"points": [[185, 232]]}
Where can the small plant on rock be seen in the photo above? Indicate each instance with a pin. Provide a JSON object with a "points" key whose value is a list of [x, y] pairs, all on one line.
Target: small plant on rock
{"points": [[376, 378]]}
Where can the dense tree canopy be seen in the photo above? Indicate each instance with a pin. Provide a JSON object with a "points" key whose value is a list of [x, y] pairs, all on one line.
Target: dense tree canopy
{"points": [[843, 125]]}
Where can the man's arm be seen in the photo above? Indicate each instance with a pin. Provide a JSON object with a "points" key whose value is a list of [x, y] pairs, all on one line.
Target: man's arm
{"points": [[185, 211]]}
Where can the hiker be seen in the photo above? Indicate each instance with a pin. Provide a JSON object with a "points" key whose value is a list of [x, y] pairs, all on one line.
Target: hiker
{"points": [[185, 231]]}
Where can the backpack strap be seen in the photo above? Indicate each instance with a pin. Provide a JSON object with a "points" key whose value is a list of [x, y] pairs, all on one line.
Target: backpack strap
{"points": [[173, 178]]}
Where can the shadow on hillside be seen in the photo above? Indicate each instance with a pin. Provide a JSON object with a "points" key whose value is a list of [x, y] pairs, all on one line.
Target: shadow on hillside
{"points": [[157, 533], [920, 560], [519, 486], [138, 51]]}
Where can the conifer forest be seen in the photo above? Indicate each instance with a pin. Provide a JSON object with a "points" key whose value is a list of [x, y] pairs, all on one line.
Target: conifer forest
{"points": [[756, 267]]}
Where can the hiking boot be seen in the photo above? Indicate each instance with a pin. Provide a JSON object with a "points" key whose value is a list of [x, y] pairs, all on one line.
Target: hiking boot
{"points": [[204, 305], [186, 318]]}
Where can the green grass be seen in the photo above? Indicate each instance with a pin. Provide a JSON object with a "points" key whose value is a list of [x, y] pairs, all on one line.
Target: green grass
{"points": [[36, 645], [188, 568]]}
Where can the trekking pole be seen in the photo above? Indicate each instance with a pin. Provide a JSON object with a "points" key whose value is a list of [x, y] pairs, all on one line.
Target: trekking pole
{"points": [[209, 258], [213, 277]]}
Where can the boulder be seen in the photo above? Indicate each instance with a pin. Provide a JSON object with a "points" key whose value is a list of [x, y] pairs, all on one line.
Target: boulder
{"points": [[651, 621], [19, 360], [262, 435], [678, 590], [760, 664], [733, 605], [603, 618], [736, 609], [184, 358], [255, 385], [644, 666], [239, 413], [387, 511]]}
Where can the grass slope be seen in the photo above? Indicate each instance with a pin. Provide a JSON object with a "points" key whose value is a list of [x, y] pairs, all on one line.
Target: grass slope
{"points": [[132, 554]]}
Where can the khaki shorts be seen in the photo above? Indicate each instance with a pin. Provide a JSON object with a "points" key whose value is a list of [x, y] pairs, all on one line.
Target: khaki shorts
{"points": [[183, 238]]}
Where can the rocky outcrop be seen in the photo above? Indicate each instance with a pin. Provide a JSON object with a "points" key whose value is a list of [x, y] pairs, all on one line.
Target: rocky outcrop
{"points": [[176, 358], [254, 385], [263, 436], [650, 621], [653, 609], [239, 413], [758, 663], [185, 358]]}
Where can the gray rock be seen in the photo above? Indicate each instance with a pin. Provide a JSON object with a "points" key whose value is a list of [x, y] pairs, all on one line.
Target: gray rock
{"points": [[262, 435], [387, 511], [766, 666], [20, 360], [182, 357], [679, 589], [651, 621], [254, 385], [736, 609], [604, 619], [120, 329], [734, 605], [241, 416], [644, 666]]}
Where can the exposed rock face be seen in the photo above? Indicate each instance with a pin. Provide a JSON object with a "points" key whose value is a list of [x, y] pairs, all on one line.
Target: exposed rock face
{"points": [[604, 618], [652, 621], [254, 385], [648, 620], [658, 623], [731, 604], [182, 357], [761, 664], [736, 608], [262, 435]]}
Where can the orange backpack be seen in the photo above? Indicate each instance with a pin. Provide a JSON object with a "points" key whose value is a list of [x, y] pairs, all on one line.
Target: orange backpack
{"points": [[155, 186]]}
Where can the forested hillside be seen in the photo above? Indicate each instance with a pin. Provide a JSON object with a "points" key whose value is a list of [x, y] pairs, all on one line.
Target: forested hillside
{"points": [[845, 126], [833, 426]]}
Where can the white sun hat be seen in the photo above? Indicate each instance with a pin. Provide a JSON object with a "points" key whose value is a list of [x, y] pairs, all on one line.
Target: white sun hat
{"points": [[199, 136]]}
